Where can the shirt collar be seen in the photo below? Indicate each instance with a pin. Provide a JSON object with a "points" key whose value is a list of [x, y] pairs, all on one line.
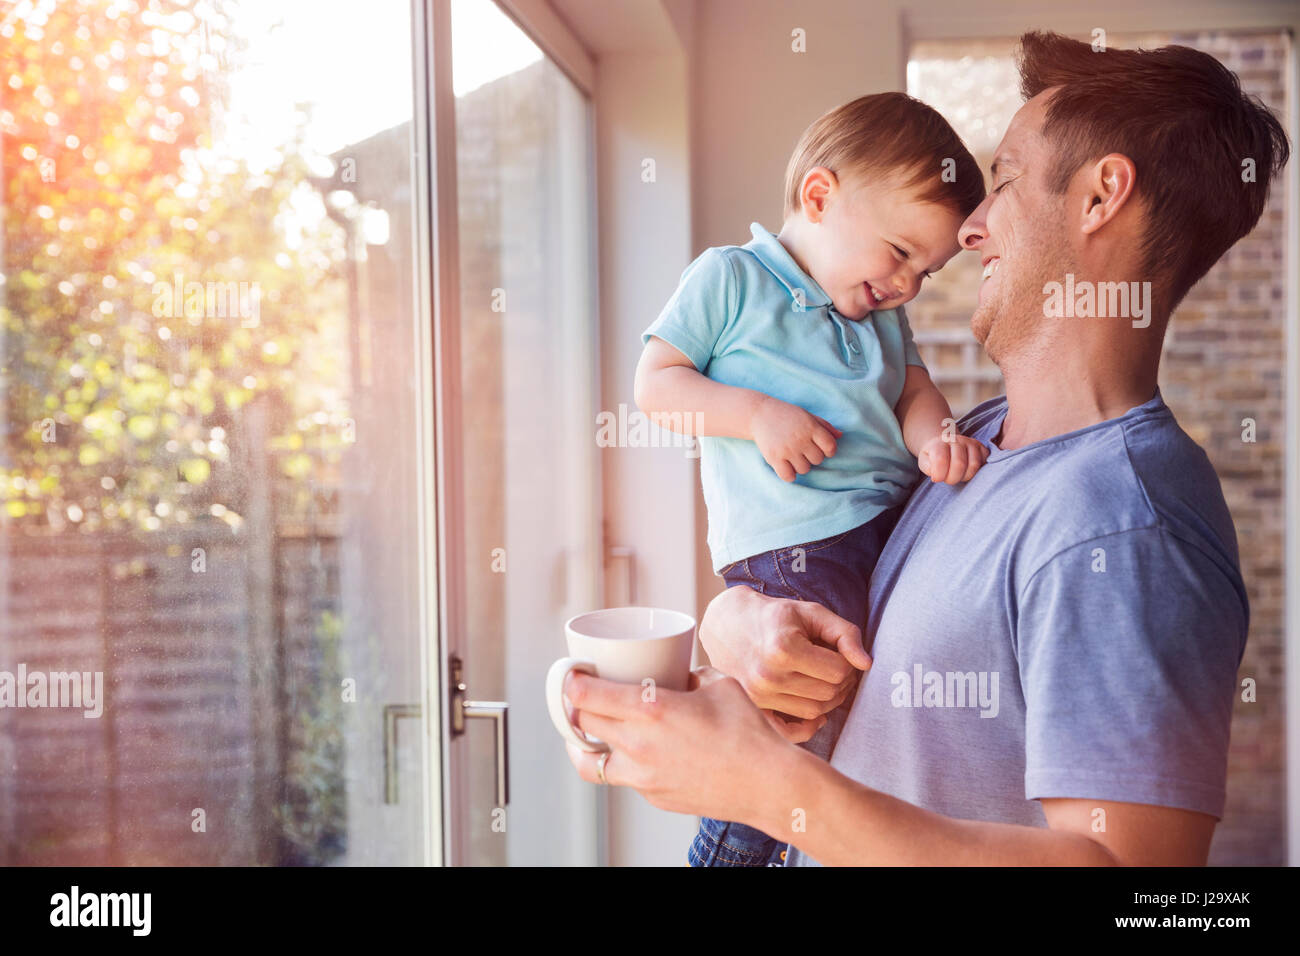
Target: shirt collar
{"points": [[1154, 405], [777, 259]]}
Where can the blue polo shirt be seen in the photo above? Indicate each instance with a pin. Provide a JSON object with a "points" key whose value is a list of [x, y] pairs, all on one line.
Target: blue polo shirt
{"points": [[749, 316]]}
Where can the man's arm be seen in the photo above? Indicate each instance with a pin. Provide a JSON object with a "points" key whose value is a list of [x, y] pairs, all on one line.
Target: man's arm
{"points": [[835, 806], [852, 825], [710, 752]]}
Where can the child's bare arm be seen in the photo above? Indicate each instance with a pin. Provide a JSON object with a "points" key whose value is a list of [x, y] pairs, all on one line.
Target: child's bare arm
{"points": [[926, 420], [676, 396], [921, 409]]}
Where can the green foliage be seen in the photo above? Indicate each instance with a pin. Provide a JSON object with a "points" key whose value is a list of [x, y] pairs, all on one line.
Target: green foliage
{"points": [[120, 408], [312, 818]]}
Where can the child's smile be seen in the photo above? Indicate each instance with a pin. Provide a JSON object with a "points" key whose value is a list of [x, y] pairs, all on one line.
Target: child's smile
{"points": [[875, 243]]}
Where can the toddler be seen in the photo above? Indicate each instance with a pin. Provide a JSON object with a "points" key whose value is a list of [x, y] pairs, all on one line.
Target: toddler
{"points": [[794, 358]]}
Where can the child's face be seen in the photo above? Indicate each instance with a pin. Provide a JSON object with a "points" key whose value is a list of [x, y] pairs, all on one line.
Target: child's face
{"points": [[876, 242]]}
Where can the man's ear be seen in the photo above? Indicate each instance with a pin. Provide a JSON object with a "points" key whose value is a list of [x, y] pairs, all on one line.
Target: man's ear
{"points": [[818, 186], [1107, 186]]}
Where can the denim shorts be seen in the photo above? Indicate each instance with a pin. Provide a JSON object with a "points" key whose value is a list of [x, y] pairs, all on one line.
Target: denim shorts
{"points": [[834, 572]]}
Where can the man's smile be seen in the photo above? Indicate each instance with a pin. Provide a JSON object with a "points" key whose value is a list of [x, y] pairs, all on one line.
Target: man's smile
{"points": [[991, 264]]}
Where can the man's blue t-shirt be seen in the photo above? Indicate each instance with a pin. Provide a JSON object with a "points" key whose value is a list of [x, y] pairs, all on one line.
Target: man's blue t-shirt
{"points": [[1069, 623]]}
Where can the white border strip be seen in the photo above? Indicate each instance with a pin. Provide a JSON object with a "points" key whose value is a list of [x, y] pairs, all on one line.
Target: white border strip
{"points": [[1291, 564]]}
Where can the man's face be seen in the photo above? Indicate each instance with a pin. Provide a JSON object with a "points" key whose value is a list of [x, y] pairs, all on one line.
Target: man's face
{"points": [[1020, 233]]}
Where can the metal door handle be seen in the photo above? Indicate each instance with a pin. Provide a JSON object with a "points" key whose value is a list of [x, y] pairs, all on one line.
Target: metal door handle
{"points": [[393, 713], [495, 710]]}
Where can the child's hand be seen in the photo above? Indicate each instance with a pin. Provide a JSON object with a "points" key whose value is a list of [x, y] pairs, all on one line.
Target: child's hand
{"points": [[952, 461], [790, 439]]}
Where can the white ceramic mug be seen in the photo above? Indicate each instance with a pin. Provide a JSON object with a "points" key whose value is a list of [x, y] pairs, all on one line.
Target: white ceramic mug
{"points": [[630, 645]]}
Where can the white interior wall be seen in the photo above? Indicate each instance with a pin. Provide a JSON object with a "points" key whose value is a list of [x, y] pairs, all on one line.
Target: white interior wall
{"points": [[649, 493]]}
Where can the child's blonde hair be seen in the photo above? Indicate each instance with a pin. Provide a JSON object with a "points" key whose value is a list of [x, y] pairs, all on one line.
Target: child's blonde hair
{"points": [[884, 133]]}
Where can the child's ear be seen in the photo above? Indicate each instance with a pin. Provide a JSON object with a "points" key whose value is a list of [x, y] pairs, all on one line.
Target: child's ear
{"points": [[815, 192]]}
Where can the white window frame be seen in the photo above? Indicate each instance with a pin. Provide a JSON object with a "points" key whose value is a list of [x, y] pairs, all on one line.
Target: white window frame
{"points": [[438, 276]]}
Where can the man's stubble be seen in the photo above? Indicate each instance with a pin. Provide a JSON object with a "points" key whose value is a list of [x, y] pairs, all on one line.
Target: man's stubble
{"points": [[1010, 324]]}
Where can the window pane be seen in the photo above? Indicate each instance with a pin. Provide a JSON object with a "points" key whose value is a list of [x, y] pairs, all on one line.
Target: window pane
{"points": [[208, 472], [528, 373]]}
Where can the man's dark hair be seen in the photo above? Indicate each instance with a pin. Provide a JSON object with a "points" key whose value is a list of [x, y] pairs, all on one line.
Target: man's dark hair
{"points": [[1181, 116]]}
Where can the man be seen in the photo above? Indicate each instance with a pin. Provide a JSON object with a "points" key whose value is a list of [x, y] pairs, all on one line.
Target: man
{"points": [[1055, 643]]}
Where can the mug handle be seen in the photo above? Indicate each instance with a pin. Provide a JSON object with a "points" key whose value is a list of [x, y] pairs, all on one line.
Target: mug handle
{"points": [[555, 678]]}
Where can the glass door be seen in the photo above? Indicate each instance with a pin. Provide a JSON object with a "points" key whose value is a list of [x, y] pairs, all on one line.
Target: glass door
{"points": [[216, 529], [521, 503]]}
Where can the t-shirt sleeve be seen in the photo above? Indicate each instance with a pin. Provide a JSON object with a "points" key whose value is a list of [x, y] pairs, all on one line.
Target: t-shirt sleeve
{"points": [[700, 310], [911, 356], [1128, 648]]}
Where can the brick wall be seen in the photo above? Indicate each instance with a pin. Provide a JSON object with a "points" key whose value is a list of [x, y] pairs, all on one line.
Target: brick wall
{"points": [[1223, 362], [182, 726]]}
